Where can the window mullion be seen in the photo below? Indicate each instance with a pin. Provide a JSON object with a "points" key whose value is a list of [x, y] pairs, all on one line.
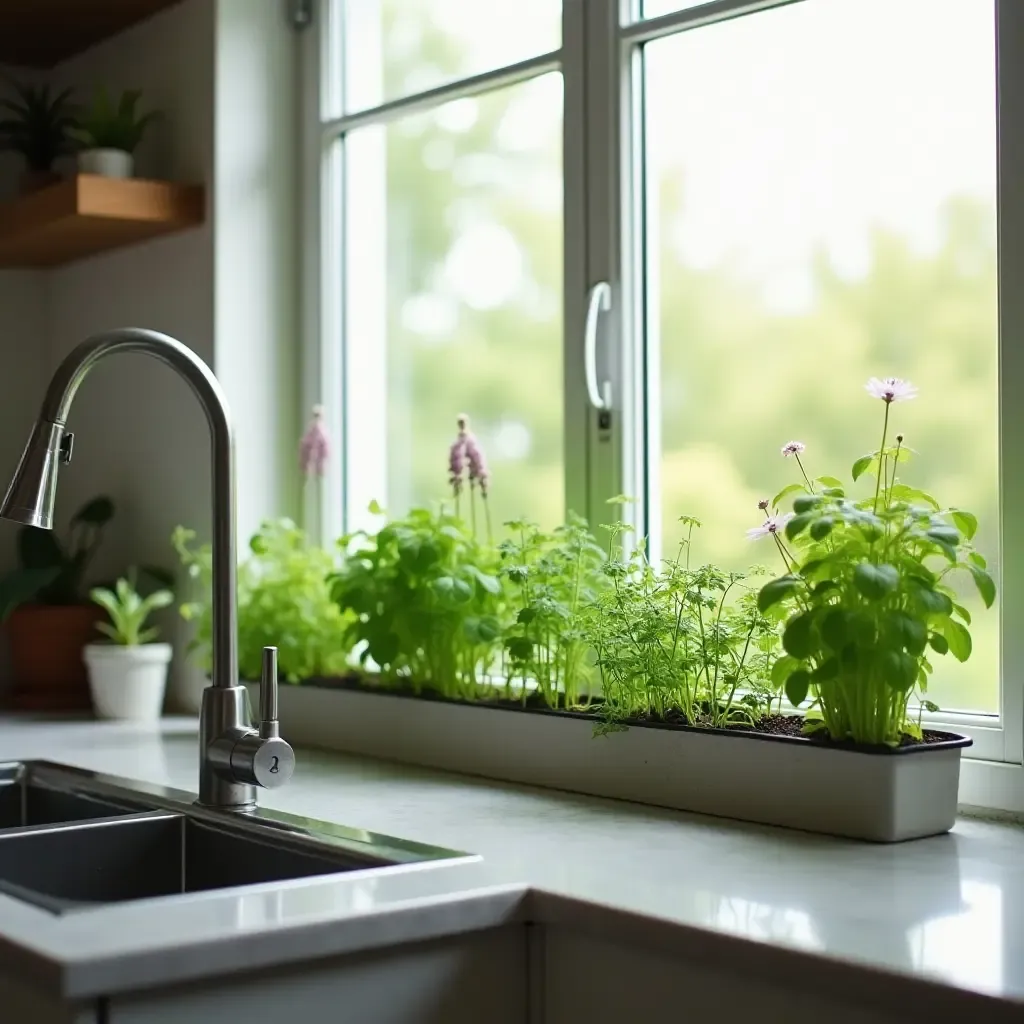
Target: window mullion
{"points": [[607, 437], [1010, 115]]}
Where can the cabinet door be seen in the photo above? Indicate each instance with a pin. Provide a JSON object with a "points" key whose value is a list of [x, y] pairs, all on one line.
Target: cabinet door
{"points": [[21, 1004], [472, 979], [593, 981]]}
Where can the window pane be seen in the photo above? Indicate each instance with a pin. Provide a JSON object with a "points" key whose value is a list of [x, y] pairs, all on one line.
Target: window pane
{"points": [[454, 299], [823, 211], [655, 8], [398, 47]]}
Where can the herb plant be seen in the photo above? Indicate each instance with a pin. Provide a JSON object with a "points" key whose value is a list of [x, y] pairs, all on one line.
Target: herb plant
{"points": [[866, 598], [35, 122], [426, 600], [50, 570], [687, 644], [109, 125], [128, 612], [552, 578], [284, 600]]}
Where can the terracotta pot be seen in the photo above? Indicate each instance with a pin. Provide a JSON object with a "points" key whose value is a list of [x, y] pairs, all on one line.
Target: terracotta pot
{"points": [[46, 644]]}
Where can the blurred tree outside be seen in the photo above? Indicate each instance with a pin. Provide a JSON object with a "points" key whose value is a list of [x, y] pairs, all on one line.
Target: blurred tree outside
{"points": [[474, 319]]}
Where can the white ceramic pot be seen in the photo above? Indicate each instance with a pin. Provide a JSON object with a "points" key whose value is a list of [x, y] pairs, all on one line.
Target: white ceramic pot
{"points": [[128, 682], [108, 163]]}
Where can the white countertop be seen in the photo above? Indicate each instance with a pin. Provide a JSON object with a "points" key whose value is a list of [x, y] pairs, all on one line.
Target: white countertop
{"points": [[948, 909]]}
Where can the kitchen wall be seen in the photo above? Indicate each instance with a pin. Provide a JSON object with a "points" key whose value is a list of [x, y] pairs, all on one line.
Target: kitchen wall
{"points": [[223, 72]]}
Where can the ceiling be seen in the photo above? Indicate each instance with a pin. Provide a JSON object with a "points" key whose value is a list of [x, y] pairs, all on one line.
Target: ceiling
{"points": [[41, 33]]}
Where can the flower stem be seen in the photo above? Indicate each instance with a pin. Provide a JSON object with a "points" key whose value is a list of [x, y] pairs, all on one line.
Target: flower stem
{"points": [[881, 459], [807, 479]]}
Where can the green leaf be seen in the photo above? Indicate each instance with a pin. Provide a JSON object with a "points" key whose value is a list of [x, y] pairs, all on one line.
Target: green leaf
{"points": [[961, 611], [821, 528], [383, 647], [452, 590], [899, 670], [835, 628], [985, 584], [806, 504], [830, 481], [931, 600], [797, 685], [520, 648], [910, 632], [861, 465], [931, 706], [777, 590], [786, 492], [798, 524], [875, 581], [374, 508], [824, 587], [798, 637], [976, 558], [489, 583], [827, 670], [782, 669], [959, 639], [938, 643], [526, 615], [912, 496], [945, 535], [966, 522]]}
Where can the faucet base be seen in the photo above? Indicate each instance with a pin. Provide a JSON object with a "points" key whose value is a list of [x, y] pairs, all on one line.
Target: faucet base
{"points": [[225, 715]]}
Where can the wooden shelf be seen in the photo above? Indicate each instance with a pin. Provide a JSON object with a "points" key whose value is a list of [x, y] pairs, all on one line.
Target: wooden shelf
{"points": [[87, 214], [41, 33]]}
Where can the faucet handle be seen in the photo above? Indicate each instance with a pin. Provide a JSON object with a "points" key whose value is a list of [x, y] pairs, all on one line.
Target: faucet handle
{"points": [[268, 725], [261, 757]]}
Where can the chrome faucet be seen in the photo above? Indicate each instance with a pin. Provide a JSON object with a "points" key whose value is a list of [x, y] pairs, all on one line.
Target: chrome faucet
{"points": [[234, 758]]}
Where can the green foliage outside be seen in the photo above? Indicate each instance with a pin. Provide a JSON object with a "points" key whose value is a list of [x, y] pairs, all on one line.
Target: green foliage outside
{"points": [[738, 376]]}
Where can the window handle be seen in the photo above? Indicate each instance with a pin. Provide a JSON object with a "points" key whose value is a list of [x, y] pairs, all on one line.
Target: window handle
{"points": [[598, 301]]}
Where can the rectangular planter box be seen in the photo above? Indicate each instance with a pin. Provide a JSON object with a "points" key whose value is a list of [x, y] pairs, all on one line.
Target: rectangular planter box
{"points": [[880, 795]]}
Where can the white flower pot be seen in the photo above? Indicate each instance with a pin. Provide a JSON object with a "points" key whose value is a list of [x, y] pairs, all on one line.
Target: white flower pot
{"points": [[863, 793], [128, 682], [108, 163]]}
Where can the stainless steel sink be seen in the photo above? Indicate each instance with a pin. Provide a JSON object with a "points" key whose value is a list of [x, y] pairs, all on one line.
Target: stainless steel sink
{"points": [[71, 840]]}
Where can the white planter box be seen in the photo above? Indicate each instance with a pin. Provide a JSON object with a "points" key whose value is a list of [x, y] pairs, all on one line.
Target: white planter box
{"points": [[882, 796]]}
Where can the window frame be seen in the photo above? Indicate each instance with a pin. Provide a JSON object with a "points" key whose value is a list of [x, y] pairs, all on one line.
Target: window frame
{"points": [[600, 59]]}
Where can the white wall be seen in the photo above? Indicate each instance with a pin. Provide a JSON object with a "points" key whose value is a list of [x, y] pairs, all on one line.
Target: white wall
{"points": [[24, 348]]}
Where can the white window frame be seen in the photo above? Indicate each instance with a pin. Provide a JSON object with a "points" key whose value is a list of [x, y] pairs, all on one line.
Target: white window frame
{"points": [[601, 63]]}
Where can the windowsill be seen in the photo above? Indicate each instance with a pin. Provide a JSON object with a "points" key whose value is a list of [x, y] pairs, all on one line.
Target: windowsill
{"points": [[948, 909]]}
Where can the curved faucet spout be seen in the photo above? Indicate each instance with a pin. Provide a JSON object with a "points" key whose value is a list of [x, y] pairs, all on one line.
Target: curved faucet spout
{"points": [[31, 495]]}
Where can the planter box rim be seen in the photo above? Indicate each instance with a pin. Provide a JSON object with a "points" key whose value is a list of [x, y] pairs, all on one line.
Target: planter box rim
{"points": [[954, 740]]}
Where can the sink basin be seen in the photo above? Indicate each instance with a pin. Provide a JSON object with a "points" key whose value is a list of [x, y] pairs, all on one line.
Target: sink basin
{"points": [[25, 800], [71, 840], [143, 856]]}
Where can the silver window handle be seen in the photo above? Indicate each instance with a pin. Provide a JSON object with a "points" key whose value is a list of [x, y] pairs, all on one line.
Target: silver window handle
{"points": [[598, 301]]}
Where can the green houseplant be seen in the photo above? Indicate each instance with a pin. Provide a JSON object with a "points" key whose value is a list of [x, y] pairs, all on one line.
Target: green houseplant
{"points": [[109, 131], [866, 601], [128, 676], [46, 611], [35, 121]]}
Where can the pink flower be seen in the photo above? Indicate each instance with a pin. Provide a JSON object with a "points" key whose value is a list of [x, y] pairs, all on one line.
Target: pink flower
{"points": [[892, 389], [772, 525], [793, 448], [315, 446], [763, 504], [457, 458]]}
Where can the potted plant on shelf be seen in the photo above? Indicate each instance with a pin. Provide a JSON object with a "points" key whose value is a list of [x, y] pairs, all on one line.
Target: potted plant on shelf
{"points": [[109, 133], [35, 123], [128, 676], [46, 611]]}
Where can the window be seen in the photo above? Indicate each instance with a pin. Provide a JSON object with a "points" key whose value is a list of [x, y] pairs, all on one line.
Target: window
{"points": [[784, 197]]}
